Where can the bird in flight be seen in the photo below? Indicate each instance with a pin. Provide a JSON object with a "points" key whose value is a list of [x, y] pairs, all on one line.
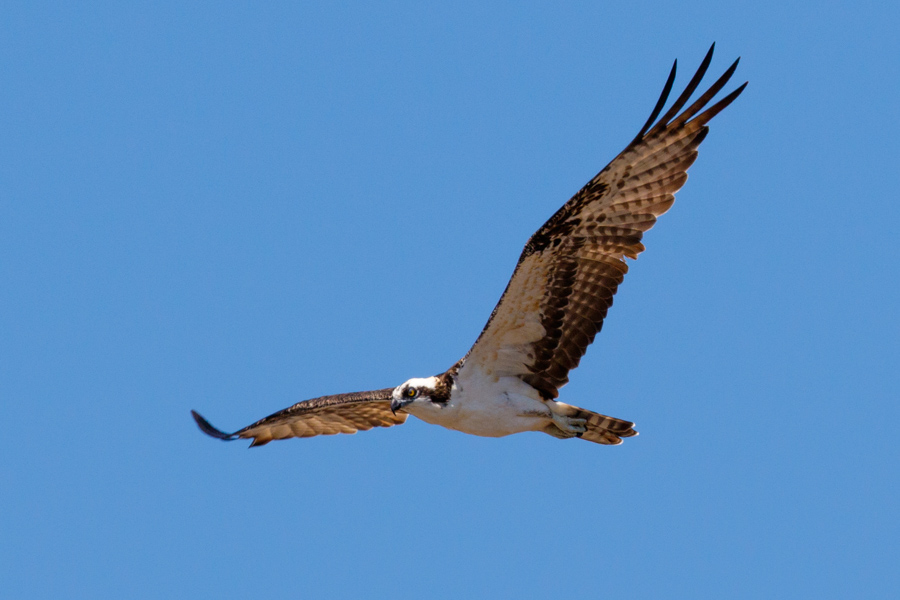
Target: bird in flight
{"points": [[551, 310]]}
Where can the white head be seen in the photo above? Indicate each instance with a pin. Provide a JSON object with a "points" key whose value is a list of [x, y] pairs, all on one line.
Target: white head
{"points": [[422, 394]]}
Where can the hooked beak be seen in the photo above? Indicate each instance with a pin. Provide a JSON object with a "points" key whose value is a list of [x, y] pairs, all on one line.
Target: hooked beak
{"points": [[398, 405]]}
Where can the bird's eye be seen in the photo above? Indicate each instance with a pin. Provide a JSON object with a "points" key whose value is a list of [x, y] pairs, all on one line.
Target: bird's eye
{"points": [[411, 392]]}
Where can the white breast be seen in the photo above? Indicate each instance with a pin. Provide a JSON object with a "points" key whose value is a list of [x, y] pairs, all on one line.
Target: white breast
{"points": [[487, 405]]}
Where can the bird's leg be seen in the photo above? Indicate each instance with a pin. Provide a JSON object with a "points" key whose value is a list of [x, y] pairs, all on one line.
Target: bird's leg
{"points": [[571, 425], [566, 418]]}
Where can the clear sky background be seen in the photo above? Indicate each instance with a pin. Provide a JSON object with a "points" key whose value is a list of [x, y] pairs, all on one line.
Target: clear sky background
{"points": [[232, 208]]}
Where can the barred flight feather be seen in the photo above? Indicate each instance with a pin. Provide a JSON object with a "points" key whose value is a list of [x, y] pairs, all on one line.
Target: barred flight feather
{"points": [[328, 415], [572, 266]]}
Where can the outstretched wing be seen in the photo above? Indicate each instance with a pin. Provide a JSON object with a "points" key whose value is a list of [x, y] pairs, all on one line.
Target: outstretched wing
{"points": [[342, 413], [570, 269]]}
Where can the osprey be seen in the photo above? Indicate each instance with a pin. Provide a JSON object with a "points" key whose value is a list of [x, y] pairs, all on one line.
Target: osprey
{"points": [[552, 308]]}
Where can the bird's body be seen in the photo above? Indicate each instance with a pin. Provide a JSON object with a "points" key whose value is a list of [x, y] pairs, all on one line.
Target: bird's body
{"points": [[484, 405], [553, 307], [479, 402]]}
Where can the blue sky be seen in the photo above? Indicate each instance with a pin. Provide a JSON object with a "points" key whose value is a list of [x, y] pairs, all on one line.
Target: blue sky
{"points": [[233, 208]]}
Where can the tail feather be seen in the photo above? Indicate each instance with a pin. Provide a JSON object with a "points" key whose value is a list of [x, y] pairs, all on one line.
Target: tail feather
{"points": [[601, 429], [610, 432], [606, 430]]}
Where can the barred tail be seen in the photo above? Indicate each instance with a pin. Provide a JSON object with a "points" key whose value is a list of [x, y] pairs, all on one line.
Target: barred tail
{"points": [[605, 430], [600, 429]]}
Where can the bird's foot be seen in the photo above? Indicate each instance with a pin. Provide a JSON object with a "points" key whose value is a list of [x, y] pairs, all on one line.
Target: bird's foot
{"points": [[570, 425]]}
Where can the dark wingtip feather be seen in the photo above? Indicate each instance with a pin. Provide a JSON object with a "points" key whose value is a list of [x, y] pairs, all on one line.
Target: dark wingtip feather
{"points": [[688, 90], [707, 96], [209, 430], [719, 106], [659, 103]]}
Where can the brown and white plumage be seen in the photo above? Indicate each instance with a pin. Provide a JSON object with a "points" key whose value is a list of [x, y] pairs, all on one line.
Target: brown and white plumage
{"points": [[551, 310]]}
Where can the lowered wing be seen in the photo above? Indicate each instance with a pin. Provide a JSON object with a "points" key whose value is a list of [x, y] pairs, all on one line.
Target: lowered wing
{"points": [[328, 415]]}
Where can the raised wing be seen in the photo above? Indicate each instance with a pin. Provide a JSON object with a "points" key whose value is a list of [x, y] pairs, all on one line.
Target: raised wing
{"points": [[342, 413], [570, 269]]}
